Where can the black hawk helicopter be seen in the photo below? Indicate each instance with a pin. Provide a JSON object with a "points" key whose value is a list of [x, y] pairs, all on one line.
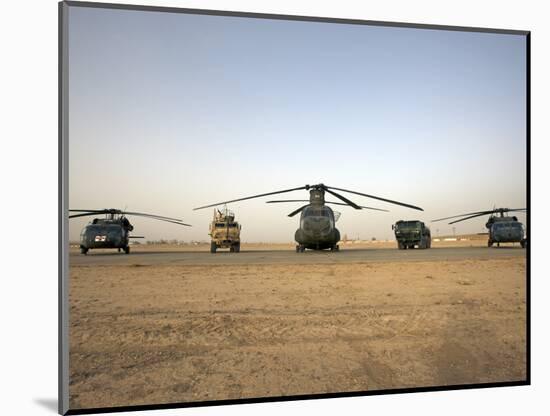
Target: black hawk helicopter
{"points": [[502, 228], [113, 231], [317, 221]]}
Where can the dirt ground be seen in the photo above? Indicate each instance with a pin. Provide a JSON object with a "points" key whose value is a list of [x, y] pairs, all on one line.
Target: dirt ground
{"points": [[165, 334]]}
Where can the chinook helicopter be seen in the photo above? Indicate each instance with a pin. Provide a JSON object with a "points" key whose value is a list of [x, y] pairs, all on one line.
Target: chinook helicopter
{"points": [[113, 231], [317, 221], [502, 228]]}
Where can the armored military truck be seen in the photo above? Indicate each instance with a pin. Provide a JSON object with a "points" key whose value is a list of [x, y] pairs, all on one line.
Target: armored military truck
{"points": [[411, 234], [225, 232]]}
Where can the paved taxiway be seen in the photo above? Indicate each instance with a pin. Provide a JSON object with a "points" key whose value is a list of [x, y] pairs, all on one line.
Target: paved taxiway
{"points": [[291, 257]]}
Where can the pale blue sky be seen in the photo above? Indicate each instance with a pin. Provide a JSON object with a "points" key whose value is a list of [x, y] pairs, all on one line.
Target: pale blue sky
{"points": [[171, 111]]}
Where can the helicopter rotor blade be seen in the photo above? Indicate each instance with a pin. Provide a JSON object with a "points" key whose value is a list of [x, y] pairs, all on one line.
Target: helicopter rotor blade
{"points": [[173, 222], [293, 213], [363, 207], [467, 218], [141, 214], [96, 211], [287, 200], [462, 215], [251, 197], [85, 215], [480, 213], [343, 198], [376, 197], [326, 202]]}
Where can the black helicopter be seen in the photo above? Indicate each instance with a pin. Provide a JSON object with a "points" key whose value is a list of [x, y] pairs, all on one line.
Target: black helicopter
{"points": [[502, 228], [317, 222], [113, 231]]}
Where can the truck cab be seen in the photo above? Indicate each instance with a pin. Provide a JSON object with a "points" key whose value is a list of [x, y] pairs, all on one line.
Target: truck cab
{"points": [[224, 231], [411, 234]]}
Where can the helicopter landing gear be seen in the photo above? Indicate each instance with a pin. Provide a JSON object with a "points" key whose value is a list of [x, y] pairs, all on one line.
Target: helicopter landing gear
{"points": [[83, 250], [300, 248], [335, 247], [126, 249]]}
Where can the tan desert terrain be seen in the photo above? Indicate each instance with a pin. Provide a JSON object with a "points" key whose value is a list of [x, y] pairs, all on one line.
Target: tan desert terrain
{"points": [[151, 334]]}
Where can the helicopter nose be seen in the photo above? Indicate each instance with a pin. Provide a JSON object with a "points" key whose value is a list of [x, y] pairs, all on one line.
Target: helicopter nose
{"points": [[317, 225]]}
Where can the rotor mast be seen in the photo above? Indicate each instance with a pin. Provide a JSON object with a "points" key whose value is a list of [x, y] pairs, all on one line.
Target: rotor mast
{"points": [[316, 196]]}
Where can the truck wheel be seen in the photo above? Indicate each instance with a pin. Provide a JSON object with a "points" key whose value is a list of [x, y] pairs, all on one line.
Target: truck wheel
{"points": [[335, 248], [232, 249], [300, 248], [523, 243], [127, 249], [490, 243], [237, 248], [213, 247], [83, 250]]}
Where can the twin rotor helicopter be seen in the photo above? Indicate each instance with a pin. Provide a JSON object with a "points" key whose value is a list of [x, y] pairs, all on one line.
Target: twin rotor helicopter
{"points": [[317, 230]]}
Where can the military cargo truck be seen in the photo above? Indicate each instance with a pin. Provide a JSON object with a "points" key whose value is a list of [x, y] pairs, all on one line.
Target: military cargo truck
{"points": [[411, 234], [225, 232]]}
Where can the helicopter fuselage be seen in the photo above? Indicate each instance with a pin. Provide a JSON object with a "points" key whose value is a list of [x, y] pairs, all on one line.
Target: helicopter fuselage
{"points": [[317, 228], [106, 234], [505, 230]]}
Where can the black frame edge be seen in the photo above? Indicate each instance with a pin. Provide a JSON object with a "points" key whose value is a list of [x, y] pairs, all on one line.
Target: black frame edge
{"points": [[293, 398], [528, 217]]}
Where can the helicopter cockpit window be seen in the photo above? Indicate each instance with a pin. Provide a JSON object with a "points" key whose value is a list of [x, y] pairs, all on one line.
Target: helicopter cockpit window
{"points": [[317, 212], [103, 229], [507, 224]]}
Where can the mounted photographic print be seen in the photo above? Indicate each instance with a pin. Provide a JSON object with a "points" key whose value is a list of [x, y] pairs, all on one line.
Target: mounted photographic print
{"points": [[263, 208]]}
